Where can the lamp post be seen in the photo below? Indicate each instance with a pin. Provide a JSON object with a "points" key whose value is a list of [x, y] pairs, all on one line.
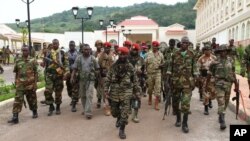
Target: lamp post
{"points": [[124, 34], [118, 31], [22, 27], [111, 23], [75, 13], [28, 2]]}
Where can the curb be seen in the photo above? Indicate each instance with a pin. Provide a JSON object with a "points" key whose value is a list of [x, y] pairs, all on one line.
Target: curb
{"points": [[7, 103], [241, 115]]}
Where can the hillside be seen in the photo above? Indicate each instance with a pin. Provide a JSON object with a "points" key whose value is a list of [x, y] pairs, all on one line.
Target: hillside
{"points": [[164, 15]]}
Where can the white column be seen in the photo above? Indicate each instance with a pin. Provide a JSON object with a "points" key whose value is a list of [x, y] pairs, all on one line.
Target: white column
{"points": [[154, 37]]}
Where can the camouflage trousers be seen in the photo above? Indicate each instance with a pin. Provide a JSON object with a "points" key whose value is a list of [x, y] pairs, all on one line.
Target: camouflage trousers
{"points": [[154, 84], [54, 83], [223, 91], [121, 110], [19, 100], [208, 90], [86, 92], [73, 90], [182, 96], [100, 88]]}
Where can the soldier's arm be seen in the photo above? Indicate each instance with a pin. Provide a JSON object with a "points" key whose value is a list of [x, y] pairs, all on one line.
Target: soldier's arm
{"points": [[66, 65], [194, 67], [108, 80], [135, 82], [170, 67], [244, 64]]}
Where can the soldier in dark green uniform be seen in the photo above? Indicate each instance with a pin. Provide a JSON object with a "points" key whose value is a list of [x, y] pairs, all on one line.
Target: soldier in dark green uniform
{"points": [[119, 86], [26, 78], [183, 70]]}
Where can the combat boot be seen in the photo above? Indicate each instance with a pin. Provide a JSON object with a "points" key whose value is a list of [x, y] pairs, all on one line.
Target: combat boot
{"points": [[73, 109], [51, 109], [222, 121], [58, 110], [14, 119], [118, 124], [206, 110], [35, 115], [98, 105], [135, 118], [210, 105], [122, 134], [149, 99], [107, 111], [184, 123], [157, 103], [178, 119]]}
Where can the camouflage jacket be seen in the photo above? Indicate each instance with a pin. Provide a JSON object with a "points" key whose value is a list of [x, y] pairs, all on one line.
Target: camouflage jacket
{"points": [[197, 54], [204, 63], [167, 56], [137, 62], [26, 73], [222, 70], [121, 81], [245, 63], [232, 52], [153, 62], [183, 69], [105, 60]]}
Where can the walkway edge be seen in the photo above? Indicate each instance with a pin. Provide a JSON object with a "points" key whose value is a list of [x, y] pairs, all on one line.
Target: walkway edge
{"points": [[241, 114]]}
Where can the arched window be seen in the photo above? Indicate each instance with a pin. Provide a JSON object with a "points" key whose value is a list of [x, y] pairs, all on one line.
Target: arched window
{"points": [[113, 42], [233, 37], [248, 30], [229, 34], [243, 32], [236, 33]]}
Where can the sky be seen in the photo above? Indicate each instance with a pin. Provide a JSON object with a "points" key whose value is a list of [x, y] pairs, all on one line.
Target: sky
{"points": [[17, 9]]}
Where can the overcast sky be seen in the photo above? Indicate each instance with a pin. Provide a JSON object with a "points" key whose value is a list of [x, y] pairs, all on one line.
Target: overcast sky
{"points": [[12, 9]]}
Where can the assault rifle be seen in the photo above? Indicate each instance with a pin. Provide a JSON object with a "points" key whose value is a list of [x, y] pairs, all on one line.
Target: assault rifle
{"points": [[237, 97], [168, 96], [59, 66]]}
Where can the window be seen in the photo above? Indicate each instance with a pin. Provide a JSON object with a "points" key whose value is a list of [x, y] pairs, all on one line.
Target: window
{"points": [[232, 6], [243, 32], [229, 34], [248, 30], [233, 34], [239, 3], [236, 33]]}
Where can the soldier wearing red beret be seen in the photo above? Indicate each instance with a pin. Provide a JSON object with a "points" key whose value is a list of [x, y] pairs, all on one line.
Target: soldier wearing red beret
{"points": [[127, 44]]}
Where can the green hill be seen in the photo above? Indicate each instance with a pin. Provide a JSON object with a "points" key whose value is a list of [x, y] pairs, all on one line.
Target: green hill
{"points": [[164, 15]]}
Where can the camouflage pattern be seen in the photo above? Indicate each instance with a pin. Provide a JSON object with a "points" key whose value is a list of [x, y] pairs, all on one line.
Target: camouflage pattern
{"points": [[167, 57], [86, 80], [245, 64], [207, 82], [120, 83], [26, 77], [182, 71], [54, 76], [153, 64], [7, 53], [232, 52], [222, 70]]}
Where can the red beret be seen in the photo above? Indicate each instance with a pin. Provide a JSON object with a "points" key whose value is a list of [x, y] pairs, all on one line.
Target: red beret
{"points": [[136, 47], [127, 43], [155, 44], [116, 46], [123, 50], [107, 44]]}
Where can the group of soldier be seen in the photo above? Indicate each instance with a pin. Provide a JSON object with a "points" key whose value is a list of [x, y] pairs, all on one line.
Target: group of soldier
{"points": [[121, 75]]}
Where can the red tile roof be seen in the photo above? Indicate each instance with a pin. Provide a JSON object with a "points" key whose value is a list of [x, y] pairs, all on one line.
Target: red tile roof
{"points": [[176, 32], [139, 20]]}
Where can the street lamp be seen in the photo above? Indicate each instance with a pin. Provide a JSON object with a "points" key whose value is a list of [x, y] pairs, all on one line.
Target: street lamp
{"points": [[75, 13], [22, 27], [111, 24], [118, 31], [124, 32], [28, 2]]}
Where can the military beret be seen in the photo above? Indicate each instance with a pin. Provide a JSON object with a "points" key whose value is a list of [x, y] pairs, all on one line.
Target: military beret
{"points": [[107, 44], [136, 47], [126, 43], [123, 50], [155, 44]]}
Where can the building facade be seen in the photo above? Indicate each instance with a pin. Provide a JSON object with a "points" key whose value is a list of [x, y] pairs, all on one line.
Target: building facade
{"points": [[224, 20]]}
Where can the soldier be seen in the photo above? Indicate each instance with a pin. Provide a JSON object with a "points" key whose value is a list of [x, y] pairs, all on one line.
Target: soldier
{"points": [[144, 50], [56, 72], [105, 61], [26, 78], [182, 70], [87, 67], [198, 54], [207, 83], [33, 52], [98, 45], [222, 70], [154, 62], [214, 45], [127, 44], [72, 88], [245, 65], [7, 53], [120, 85], [232, 52], [139, 65]]}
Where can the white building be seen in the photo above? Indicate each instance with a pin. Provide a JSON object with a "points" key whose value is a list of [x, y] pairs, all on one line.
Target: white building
{"points": [[224, 20], [136, 29]]}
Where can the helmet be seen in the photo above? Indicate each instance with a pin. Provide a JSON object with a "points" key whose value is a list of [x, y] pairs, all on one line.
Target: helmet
{"points": [[222, 47], [207, 47]]}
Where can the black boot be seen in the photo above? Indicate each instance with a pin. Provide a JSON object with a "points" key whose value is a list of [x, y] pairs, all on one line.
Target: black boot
{"points": [[98, 105], [58, 110], [51, 109], [35, 115], [73, 109], [117, 124], [206, 110], [178, 119], [122, 134], [14, 119], [184, 123], [222, 121], [210, 105]]}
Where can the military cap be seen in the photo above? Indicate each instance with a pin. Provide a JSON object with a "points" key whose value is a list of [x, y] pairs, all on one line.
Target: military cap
{"points": [[123, 50], [136, 47], [107, 44], [155, 44], [126, 43], [98, 42]]}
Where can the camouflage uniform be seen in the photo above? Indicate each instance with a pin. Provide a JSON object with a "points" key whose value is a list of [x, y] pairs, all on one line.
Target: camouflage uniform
{"points": [[7, 53], [222, 70], [207, 83], [54, 78], [87, 69], [26, 77], [245, 65]]}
